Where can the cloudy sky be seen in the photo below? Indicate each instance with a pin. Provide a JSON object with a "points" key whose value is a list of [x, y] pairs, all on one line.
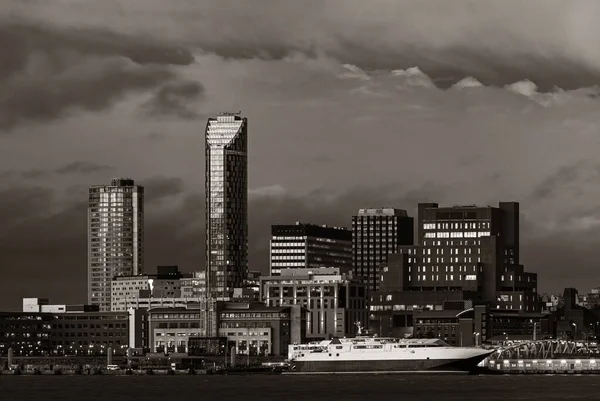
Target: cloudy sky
{"points": [[351, 104]]}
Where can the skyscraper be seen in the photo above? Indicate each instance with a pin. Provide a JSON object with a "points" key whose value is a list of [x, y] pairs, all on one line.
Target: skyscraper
{"points": [[310, 246], [375, 234], [226, 186], [115, 236]]}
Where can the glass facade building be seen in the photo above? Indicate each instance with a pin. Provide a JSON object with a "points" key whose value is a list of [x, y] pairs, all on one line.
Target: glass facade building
{"points": [[310, 246], [115, 237], [226, 186], [375, 234]]}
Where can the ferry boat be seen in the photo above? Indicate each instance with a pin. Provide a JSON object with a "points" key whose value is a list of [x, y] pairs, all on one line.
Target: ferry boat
{"points": [[368, 354]]}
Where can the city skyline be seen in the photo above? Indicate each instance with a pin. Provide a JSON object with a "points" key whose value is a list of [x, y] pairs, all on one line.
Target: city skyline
{"points": [[345, 115]]}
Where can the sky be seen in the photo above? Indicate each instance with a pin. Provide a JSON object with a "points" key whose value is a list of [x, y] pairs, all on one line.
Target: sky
{"points": [[350, 104]]}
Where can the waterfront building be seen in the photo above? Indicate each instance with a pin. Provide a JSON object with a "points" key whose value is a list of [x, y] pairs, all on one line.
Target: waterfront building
{"points": [[171, 328], [255, 329], [309, 246], [127, 290], [375, 234], [464, 253], [78, 331], [115, 237], [334, 299], [226, 189], [458, 323]]}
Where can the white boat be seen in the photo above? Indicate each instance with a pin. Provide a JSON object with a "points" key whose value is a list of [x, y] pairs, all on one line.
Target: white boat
{"points": [[373, 354]]}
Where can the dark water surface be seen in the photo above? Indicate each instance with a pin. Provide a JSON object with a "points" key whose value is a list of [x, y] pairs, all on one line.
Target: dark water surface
{"points": [[305, 388]]}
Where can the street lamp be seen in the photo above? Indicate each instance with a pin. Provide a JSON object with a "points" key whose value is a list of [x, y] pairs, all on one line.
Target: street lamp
{"points": [[476, 339], [575, 336]]}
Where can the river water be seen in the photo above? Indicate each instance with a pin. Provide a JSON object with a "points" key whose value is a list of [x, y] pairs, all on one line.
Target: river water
{"points": [[295, 387]]}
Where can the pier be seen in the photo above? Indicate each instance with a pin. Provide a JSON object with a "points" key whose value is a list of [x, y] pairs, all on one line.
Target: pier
{"points": [[545, 357]]}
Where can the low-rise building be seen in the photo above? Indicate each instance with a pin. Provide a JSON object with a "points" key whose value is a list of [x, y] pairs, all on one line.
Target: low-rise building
{"points": [[171, 328], [334, 300], [27, 333], [458, 327], [74, 332], [126, 290], [252, 328]]}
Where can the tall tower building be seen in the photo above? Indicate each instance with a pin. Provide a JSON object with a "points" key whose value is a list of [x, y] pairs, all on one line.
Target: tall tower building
{"points": [[310, 246], [375, 234], [226, 189], [115, 237]]}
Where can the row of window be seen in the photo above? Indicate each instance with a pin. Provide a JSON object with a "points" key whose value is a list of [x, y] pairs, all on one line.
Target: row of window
{"points": [[454, 226]]}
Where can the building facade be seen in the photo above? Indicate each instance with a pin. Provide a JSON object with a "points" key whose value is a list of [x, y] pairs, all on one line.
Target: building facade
{"points": [[334, 300], [309, 246], [127, 290], [226, 188], [255, 329], [74, 332], [115, 237], [375, 234], [464, 253], [171, 328], [194, 286], [458, 327]]}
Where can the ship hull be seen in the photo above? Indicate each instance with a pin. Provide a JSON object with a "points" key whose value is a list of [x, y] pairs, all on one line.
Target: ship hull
{"points": [[390, 365]]}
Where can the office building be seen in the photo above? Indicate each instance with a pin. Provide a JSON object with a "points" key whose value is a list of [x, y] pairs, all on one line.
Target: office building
{"points": [[127, 290], [255, 329], [226, 188], [375, 234], [115, 237], [170, 328], [78, 331], [194, 286], [464, 253], [309, 246], [334, 300]]}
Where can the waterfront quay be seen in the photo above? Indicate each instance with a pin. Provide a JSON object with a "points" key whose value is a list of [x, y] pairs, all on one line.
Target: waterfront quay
{"points": [[146, 365], [545, 366]]}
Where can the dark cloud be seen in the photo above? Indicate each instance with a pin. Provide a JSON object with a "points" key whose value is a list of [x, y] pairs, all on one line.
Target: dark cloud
{"points": [[564, 178], [93, 85], [551, 43], [159, 188], [82, 167], [175, 99], [49, 70]]}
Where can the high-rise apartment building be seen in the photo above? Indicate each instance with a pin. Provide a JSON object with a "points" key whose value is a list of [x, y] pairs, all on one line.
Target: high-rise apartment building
{"points": [[310, 246], [115, 237], [375, 234], [226, 186]]}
